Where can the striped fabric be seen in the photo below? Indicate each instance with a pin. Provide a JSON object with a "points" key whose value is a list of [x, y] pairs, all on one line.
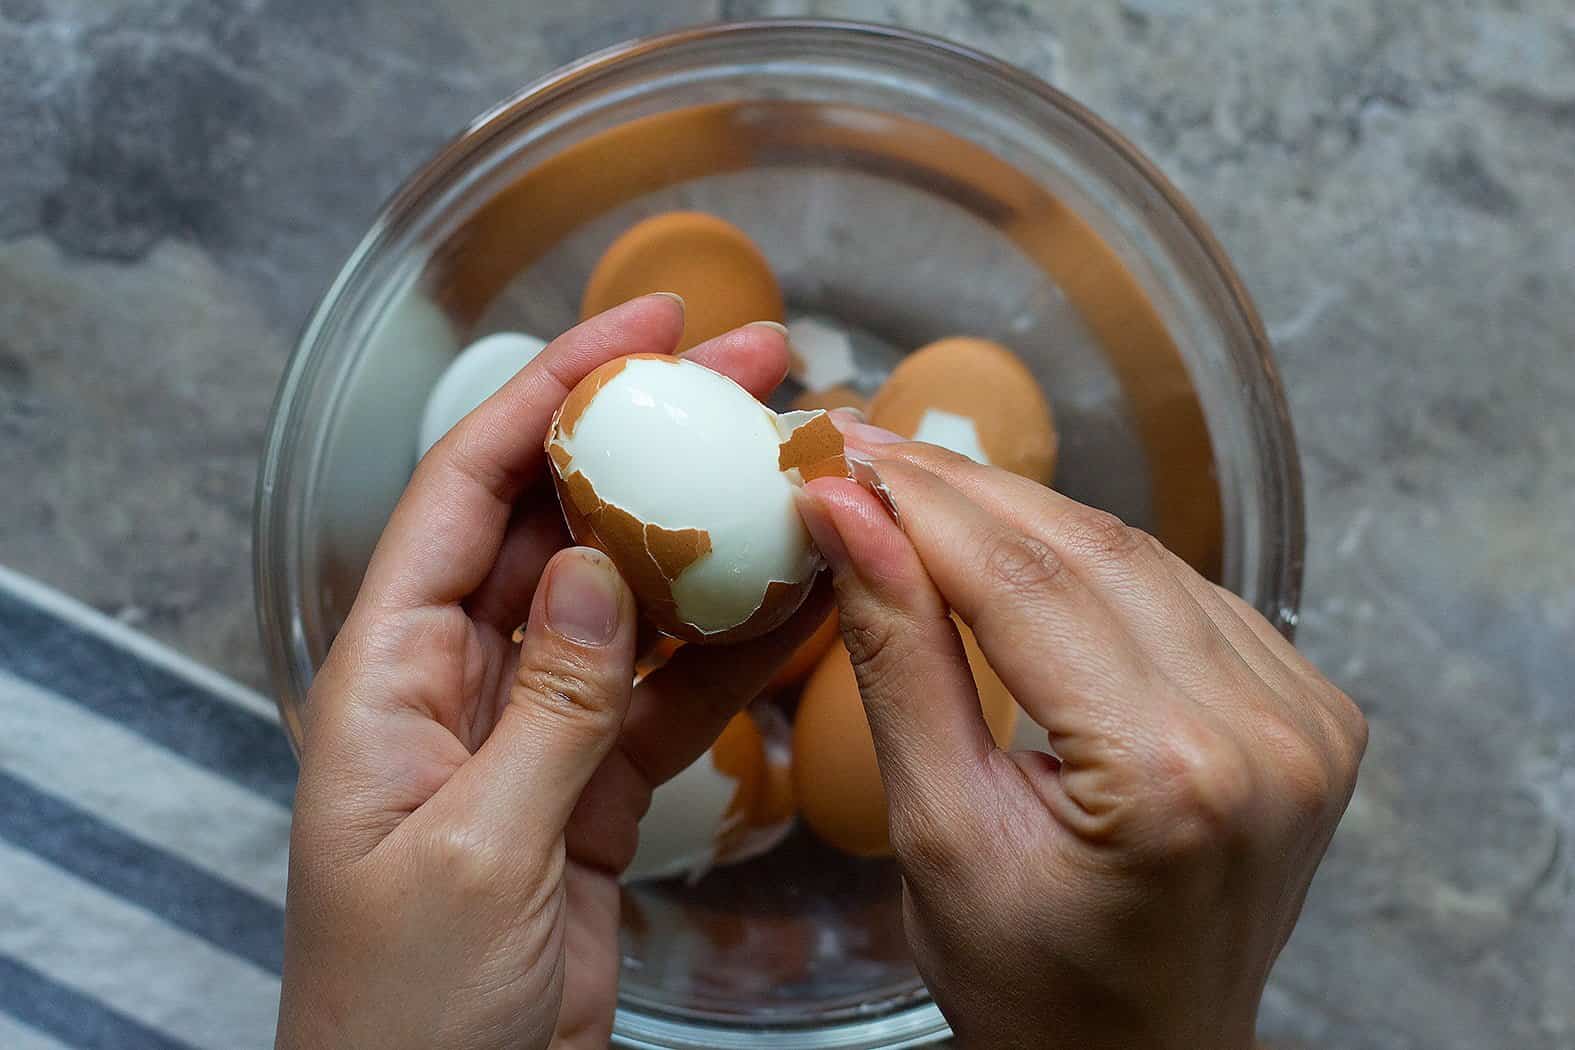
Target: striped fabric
{"points": [[144, 819]]}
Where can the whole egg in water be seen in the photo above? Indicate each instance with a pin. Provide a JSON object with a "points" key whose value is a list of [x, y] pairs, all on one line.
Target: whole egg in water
{"points": [[475, 374], [723, 277], [836, 778], [974, 397]]}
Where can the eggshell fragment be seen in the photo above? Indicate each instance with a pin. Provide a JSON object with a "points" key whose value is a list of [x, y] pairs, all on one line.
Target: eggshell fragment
{"points": [[836, 776], [830, 398], [723, 277], [686, 482], [822, 353], [947, 384], [732, 803], [478, 372]]}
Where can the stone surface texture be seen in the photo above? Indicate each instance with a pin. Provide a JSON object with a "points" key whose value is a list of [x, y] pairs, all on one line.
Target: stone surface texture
{"points": [[1396, 182]]}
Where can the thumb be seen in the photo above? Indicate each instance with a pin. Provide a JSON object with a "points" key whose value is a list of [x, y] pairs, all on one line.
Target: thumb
{"points": [[567, 704]]}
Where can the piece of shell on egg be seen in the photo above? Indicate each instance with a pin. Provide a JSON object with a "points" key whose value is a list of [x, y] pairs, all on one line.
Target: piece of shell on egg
{"points": [[977, 399], [836, 778], [687, 483], [723, 276], [475, 374], [732, 803]]}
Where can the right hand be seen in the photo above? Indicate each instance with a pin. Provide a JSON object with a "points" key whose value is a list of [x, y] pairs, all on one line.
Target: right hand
{"points": [[1134, 888]]}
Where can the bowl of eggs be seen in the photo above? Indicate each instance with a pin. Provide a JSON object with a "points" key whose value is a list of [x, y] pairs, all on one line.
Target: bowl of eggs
{"points": [[956, 249]]}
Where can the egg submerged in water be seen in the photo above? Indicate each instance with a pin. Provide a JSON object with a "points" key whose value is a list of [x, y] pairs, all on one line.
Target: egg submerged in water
{"points": [[687, 483], [732, 803], [723, 277], [836, 777], [977, 399], [478, 372]]}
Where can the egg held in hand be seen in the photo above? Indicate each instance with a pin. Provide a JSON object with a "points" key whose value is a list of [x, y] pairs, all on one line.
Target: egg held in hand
{"points": [[687, 483]]}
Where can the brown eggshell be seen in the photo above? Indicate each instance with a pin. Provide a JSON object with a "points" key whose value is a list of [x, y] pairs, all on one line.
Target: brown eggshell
{"points": [[836, 777], [650, 557], [984, 382], [723, 277]]}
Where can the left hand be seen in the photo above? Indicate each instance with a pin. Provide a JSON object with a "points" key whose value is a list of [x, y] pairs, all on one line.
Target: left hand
{"points": [[465, 804]]}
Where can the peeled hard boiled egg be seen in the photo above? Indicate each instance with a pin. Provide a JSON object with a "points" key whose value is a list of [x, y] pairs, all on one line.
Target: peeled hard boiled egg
{"points": [[836, 778], [476, 374], [686, 482], [723, 277], [732, 803], [974, 397]]}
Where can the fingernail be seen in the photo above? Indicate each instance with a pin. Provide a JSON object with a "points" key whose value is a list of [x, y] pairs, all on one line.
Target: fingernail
{"points": [[582, 597], [823, 531], [675, 297], [865, 433], [849, 413], [780, 329]]}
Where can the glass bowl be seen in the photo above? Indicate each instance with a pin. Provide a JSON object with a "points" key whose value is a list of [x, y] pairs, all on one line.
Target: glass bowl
{"points": [[901, 185]]}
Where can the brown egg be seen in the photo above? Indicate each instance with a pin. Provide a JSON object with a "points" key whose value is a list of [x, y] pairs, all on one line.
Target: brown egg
{"points": [[808, 655], [830, 398], [974, 397], [723, 277], [836, 778]]}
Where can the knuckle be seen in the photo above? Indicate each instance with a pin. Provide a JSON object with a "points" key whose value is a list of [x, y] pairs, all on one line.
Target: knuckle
{"points": [[1353, 729], [565, 690], [1099, 537], [470, 864], [1023, 566], [1211, 789], [1302, 767], [874, 648]]}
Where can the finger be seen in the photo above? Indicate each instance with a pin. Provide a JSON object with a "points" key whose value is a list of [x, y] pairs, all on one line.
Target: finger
{"points": [[931, 740], [565, 709], [444, 535], [1060, 651], [1124, 568], [677, 713], [679, 710], [754, 356], [534, 535]]}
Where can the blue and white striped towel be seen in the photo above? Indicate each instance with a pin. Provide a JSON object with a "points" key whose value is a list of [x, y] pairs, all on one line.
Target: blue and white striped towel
{"points": [[144, 821]]}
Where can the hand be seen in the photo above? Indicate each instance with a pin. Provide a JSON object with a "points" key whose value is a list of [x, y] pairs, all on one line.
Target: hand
{"points": [[465, 805], [1134, 889]]}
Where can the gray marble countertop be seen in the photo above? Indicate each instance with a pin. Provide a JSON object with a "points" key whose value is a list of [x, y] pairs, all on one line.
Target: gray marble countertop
{"points": [[1394, 180]]}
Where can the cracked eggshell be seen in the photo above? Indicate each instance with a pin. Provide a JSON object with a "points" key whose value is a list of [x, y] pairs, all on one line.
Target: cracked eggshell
{"points": [[687, 483], [731, 804], [977, 399], [476, 374]]}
